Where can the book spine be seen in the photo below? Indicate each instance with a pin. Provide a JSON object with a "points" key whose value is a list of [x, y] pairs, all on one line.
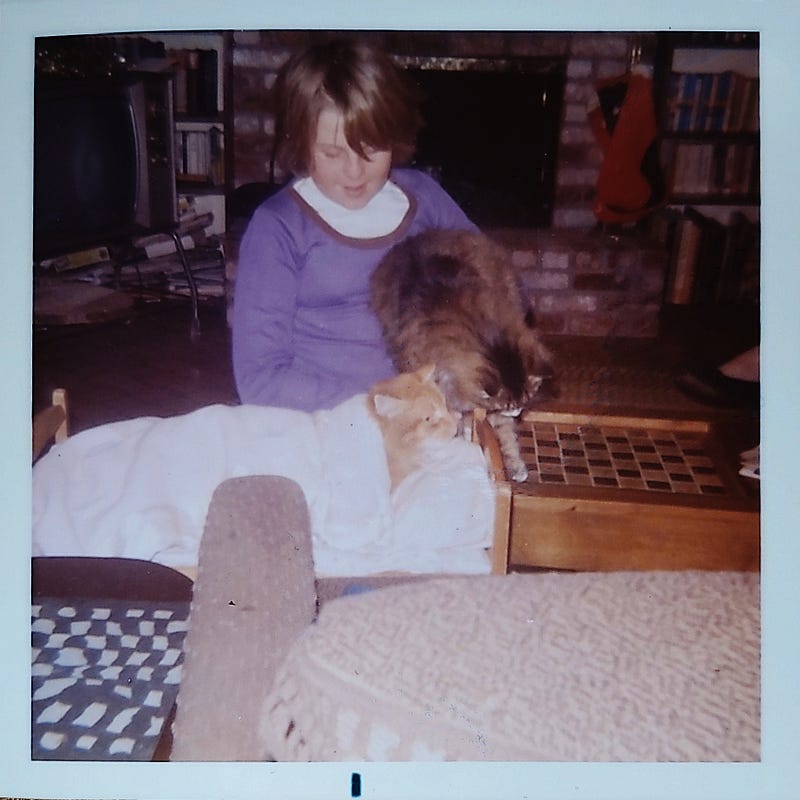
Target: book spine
{"points": [[207, 93], [177, 60], [708, 260], [703, 109], [192, 82], [671, 101], [682, 278], [687, 102], [720, 101], [216, 157]]}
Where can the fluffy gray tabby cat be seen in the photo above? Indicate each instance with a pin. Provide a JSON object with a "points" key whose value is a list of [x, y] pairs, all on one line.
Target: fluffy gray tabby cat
{"points": [[453, 298]]}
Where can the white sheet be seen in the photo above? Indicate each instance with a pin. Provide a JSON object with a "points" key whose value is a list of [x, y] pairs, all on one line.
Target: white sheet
{"points": [[140, 489]]}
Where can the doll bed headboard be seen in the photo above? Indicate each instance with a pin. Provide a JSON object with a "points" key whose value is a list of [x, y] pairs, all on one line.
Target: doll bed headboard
{"points": [[50, 423]]}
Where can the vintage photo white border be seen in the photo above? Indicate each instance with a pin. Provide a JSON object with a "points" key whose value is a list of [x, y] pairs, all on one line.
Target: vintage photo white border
{"points": [[777, 775]]}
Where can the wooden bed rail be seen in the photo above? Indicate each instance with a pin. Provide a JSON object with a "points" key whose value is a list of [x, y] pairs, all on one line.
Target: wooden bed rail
{"points": [[483, 434], [50, 423]]}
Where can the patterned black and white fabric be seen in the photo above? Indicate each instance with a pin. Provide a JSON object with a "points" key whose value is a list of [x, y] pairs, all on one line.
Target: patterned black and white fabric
{"points": [[104, 676]]}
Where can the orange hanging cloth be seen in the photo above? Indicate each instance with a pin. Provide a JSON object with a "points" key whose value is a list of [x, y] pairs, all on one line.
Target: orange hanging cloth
{"points": [[622, 118]]}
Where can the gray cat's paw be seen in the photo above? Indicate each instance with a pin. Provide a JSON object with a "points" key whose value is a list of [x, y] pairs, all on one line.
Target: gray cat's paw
{"points": [[519, 473]]}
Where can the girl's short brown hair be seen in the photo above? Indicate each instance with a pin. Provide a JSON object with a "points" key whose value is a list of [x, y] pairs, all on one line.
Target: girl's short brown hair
{"points": [[379, 106]]}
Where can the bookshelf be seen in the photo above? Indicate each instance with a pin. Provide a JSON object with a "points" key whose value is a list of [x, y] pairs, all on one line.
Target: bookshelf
{"points": [[709, 92], [707, 96], [199, 62]]}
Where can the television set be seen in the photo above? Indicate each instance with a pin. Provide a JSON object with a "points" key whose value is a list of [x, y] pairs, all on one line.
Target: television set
{"points": [[103, 161]]}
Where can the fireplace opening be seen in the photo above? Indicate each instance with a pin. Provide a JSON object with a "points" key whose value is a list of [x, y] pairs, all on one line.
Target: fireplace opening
{"points": [[491, 134]]}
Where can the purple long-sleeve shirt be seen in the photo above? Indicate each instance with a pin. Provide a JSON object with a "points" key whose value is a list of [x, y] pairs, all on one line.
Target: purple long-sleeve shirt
{"points": [[304, 335]]}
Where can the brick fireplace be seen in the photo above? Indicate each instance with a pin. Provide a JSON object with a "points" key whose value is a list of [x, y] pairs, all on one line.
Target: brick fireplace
{"points": [[582, 280]]}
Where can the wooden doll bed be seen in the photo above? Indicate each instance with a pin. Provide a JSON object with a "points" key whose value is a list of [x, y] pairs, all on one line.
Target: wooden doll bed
{"points": [[605, 492]]}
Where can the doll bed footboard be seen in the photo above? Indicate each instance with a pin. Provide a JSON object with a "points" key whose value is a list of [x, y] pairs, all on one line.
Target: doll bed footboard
{"points": [[610, 492], [483, 434]]}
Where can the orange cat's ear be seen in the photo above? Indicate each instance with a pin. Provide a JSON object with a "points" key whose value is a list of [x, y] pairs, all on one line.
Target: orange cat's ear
{"points": [[387, 406], [426, 373]]}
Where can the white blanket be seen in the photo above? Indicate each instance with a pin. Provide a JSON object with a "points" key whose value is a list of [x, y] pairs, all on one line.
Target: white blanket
{"points": [[141, 488]]}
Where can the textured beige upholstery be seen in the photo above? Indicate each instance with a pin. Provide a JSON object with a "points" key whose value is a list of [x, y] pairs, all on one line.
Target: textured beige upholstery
{"points": [[545, 666], [624, 666]]}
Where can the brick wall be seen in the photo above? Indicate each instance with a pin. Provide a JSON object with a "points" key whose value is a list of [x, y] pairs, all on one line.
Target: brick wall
{"points": [[587, 283], [591, 56], [583, 281], [257, 55]]}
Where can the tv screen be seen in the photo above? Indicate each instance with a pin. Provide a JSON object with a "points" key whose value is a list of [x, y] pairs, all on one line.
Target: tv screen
{"points": [[85, 166], [103, 163]]}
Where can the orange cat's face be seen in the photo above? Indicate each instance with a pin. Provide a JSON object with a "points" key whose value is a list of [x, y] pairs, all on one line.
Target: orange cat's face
{"points": [[411, 409], [412, 415]]}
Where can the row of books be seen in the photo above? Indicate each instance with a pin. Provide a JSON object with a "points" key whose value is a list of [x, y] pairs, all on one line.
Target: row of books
{"points": [[711, 262], [199, 155], [722, 168], [195, 82], [718, 102]]}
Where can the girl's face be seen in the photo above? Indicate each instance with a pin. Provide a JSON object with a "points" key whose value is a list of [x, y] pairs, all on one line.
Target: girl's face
{"points": [[340, 173]]}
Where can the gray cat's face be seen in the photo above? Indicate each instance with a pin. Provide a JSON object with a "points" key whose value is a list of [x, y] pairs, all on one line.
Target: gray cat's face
{"points": [[508, 385], [514, 377], [511, 403]]}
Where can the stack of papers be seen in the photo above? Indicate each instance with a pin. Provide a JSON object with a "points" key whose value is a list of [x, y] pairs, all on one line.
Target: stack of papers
{"points": [[750, 465]]}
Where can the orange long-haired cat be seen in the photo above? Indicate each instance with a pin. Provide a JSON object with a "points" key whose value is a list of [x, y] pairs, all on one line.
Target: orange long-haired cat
{"points": [[412, 414]]}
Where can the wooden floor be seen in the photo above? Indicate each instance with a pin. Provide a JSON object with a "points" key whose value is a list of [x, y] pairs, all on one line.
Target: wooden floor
{"points": [[145, 364], [148, 364]]}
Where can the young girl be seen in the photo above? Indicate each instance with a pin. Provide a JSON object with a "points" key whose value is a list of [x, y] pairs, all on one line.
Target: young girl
{"points": [[304, 335]]}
